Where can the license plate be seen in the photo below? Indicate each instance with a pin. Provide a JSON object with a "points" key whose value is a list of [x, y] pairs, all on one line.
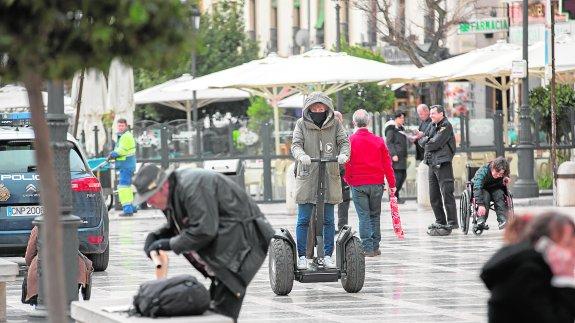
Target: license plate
{"points": [[24, 210]]}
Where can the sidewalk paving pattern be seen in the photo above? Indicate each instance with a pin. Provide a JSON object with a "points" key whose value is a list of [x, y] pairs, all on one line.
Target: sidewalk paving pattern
{"points": [[420, 279]]}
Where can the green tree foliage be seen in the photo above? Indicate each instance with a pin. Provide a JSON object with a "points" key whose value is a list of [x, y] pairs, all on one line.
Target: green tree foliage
{"points": [[258, 112], [368, 96], [50, 40], [222, 43], [540, 102], [54, 39]]}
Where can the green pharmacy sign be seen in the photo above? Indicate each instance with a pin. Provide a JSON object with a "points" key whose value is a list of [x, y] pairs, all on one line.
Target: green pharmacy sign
{"points": [[484, 26]]}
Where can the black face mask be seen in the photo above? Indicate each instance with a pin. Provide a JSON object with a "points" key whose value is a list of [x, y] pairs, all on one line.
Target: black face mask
{"points": [[318, 117]]}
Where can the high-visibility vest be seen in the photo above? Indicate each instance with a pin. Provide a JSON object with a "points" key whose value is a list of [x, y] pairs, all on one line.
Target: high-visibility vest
{"points": [[126, 146]]}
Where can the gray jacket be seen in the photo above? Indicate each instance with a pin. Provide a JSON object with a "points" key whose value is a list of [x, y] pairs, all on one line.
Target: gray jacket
{"points": [[329, 141]]}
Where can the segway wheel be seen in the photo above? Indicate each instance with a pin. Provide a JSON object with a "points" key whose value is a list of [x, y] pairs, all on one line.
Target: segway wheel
{"points": [[353, 267], [281, 267], [464, 211]]}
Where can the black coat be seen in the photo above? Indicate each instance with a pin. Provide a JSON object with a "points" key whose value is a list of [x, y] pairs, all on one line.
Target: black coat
{"points": [[439, 143], [424, 127], [397, 144], [521, 291], [216, 218]]}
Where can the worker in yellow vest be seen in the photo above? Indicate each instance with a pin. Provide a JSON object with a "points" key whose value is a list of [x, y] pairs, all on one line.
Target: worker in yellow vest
{"points": [[125, 155]]}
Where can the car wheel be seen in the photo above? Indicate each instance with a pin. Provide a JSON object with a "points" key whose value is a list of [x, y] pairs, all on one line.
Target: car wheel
{"points": [[100, 260]]}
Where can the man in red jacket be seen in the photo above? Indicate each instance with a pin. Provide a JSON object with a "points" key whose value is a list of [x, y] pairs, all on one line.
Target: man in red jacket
{"points": [[368, 166]]}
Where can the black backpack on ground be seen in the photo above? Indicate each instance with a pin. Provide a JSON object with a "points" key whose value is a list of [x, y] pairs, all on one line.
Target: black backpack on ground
{"points": [[176, 296]]}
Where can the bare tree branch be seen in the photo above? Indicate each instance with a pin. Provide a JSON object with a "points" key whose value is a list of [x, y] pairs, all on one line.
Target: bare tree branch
{"points": [[397, 32]]}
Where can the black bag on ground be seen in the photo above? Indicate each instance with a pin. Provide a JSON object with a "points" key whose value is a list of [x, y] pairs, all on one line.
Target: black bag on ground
{"points": [[176, 296]]}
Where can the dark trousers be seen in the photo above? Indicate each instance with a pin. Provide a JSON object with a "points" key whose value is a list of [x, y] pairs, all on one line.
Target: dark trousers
{"points": [[224, 301], [441, 185], [498, 198], [343, 208], [400, 175]]}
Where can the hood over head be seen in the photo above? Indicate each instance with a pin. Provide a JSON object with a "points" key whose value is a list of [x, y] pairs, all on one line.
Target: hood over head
{"points": [[318, 97]]}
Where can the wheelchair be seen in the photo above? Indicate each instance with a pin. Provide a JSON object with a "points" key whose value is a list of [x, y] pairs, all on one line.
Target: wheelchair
{"points": [[468, 206]]}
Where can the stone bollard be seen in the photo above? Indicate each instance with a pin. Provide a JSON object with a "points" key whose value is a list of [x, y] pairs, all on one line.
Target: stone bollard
{"points": [[566, 184], [290, 190], [423, 201]]}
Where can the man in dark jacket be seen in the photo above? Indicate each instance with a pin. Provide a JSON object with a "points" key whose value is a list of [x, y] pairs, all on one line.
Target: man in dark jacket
{"points": [[213, 222], [490, 184], [424, 126], [396, 141], [439, 146]]}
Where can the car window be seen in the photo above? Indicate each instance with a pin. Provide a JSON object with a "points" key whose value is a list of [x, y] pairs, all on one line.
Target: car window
{"points": [[76, 163], [18, 157]]}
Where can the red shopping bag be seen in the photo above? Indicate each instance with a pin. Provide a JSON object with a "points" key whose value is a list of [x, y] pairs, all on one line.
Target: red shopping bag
{"points": [[395, 220]]}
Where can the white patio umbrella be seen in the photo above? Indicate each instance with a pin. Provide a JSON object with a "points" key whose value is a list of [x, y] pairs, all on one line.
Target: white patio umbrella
{"points": [[174, 95], [120, 97], [93, 107], [316, 70], [294, 101], [564, 58], [14, 98]]}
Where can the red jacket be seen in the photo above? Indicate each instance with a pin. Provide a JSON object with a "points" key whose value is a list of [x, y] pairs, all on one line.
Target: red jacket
{"points": [[369, 161]]}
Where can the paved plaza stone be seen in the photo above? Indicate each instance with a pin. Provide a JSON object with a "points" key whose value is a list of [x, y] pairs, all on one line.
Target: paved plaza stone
{"points": [[420, 279]]}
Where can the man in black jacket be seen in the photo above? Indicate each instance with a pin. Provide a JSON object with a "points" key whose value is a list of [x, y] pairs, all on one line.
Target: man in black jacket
{"points": [[213, 222], [396, 141], [439, 144], [424, 126]]}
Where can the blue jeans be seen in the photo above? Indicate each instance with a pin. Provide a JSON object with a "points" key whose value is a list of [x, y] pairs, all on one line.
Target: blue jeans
{"points": [[367, 201], [304, 213]]}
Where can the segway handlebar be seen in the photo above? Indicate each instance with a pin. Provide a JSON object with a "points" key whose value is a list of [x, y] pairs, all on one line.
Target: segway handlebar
{"points": [[324, 160]]}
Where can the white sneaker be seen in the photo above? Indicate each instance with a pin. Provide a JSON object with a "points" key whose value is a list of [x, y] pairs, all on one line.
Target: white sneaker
{"points": [[328, 262], [302, 263]]}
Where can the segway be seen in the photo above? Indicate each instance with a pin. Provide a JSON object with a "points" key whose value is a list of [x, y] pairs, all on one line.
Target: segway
{"points": [[350, 262]]}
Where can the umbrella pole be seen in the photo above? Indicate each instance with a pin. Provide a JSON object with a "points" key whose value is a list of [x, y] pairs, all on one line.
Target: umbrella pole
{"points": [[189, 115], [189, 124], [276, 125], [78, 103]]}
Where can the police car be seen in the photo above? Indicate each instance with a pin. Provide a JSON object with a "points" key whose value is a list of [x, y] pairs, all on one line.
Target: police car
{"points": [[20, 193]]}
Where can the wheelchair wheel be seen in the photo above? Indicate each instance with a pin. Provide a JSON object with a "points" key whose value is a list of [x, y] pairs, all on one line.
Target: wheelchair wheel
{"points": [[464, 211], [510, 210]]}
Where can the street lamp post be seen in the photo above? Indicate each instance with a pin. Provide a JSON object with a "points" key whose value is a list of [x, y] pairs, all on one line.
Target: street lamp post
{"points": [[195, 28], [58, 123], [339, 100], [525, 185]]}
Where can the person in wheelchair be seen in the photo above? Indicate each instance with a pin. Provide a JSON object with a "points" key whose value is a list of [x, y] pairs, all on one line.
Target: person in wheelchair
{"points": [[490, 185]]}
